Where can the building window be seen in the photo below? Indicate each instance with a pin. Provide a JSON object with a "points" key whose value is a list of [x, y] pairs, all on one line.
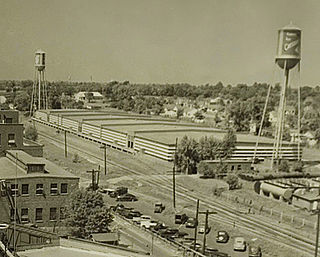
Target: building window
{"points": [[0, 140], [53, 213], [8, 120], [24, 215], [11, 139], [64, 188], [25, 189], [239, 166], [232, 167], [62, 213], [38, 214], [14, 189], [39, 189], [54, 189]]}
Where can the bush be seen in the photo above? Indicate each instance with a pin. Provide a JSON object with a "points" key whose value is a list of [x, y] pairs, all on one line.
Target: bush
{"points": [[297, 166], [31, 133], [206, 170], [233, 182], [75, 158], [284, 166]]}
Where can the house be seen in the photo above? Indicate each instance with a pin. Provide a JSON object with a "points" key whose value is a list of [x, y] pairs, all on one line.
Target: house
{"points": [[84, 96], [40, 189]]}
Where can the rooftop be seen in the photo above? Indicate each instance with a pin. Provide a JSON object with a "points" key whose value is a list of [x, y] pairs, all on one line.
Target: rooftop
{"points": [[10, 170]]}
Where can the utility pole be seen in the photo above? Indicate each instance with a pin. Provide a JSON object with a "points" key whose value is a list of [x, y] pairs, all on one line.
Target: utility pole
{"points": [[104, 147], [174, 176], [94, 179], [65, 144], [206, 228], [196, 227], [317, 235]]}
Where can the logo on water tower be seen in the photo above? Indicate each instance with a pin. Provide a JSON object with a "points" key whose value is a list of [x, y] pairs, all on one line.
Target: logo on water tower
{"points": [[291, 42]]}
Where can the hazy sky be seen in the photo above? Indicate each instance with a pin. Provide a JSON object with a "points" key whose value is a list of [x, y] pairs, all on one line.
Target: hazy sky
{"points": [[164, 41]]}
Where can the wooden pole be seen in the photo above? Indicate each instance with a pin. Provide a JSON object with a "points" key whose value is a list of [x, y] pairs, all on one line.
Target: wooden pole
{"points": [[65, 144], [196, 227], [317, 235], [174, 176], [105, 159], [205, 233]]}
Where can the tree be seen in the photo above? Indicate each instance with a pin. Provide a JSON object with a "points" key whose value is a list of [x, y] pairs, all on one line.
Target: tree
{"points": [[31, 133], [233, 181], [297, 166], [228, 144], [187, 157], [284, 166], [22, 101], [86, 214], [199, 115]]}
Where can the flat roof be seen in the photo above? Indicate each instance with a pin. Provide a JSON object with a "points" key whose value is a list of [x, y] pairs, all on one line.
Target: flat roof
{"points": [[153, 128], [25, 158], [65, 252], [9, 170]]}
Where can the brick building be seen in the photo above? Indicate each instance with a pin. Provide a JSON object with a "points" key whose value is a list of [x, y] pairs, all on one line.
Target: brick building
{"points": [[11, 135], [39, 186]]}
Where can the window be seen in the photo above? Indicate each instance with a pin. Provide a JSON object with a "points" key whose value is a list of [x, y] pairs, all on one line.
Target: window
{"points": [[0, 139], [232, 167], [24, 215], [38, 214], [239, 166], [11, 139], [8, 120], [64, 188], [62, 213], [54, 188], [39, 189], [25, 189], [14, 189], [53, 213]]}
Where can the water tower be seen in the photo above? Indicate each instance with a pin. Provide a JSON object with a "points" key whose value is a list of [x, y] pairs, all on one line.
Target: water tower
{"points": [[288, 56], [39, 92]]}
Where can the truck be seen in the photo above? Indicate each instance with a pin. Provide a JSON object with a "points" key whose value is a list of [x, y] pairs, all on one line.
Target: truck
{"points": [[158, 207], [118, 191]]}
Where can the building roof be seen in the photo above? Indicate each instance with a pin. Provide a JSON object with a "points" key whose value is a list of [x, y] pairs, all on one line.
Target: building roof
{"points": [[9, 169], [25, 158], [105, 237]]}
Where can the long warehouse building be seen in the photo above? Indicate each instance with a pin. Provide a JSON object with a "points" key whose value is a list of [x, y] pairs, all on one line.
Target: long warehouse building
{"points": [[135, 133]]}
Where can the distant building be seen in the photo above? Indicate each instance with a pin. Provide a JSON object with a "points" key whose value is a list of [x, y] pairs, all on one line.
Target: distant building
{"points": [[40, 187], [11, 135], [83, 96], [231, 165]]}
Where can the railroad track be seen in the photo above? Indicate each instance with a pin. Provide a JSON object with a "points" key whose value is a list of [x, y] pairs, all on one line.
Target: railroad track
{"points": [[226, 214]]}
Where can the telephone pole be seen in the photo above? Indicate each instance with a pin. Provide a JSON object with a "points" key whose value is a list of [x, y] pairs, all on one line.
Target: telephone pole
{"points": [[104, 147], [174, 176], [65, 144], [196, 227], [206, 228], [94, 179]]}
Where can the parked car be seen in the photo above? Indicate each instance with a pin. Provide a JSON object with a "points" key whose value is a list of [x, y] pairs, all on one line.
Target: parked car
{"points": [[239, 244], [135, 213], [118, 191], [191, 223], [148, 223], [127, 198], [254, 251], [169, 232], [159, 207], [141, 218], [202, 227], [181, 218], [159, 227], [222, 237]]}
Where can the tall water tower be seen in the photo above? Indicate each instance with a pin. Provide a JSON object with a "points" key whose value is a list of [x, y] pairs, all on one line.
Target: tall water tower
{"points": [[288, 56], [39, 92]]}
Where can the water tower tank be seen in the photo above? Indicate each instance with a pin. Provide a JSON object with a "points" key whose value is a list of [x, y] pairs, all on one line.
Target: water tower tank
{"points": [[40, 61], [289, 47]]}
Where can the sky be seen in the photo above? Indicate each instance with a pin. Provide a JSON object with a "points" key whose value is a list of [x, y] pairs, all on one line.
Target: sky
{"points": [[155, 41]]}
